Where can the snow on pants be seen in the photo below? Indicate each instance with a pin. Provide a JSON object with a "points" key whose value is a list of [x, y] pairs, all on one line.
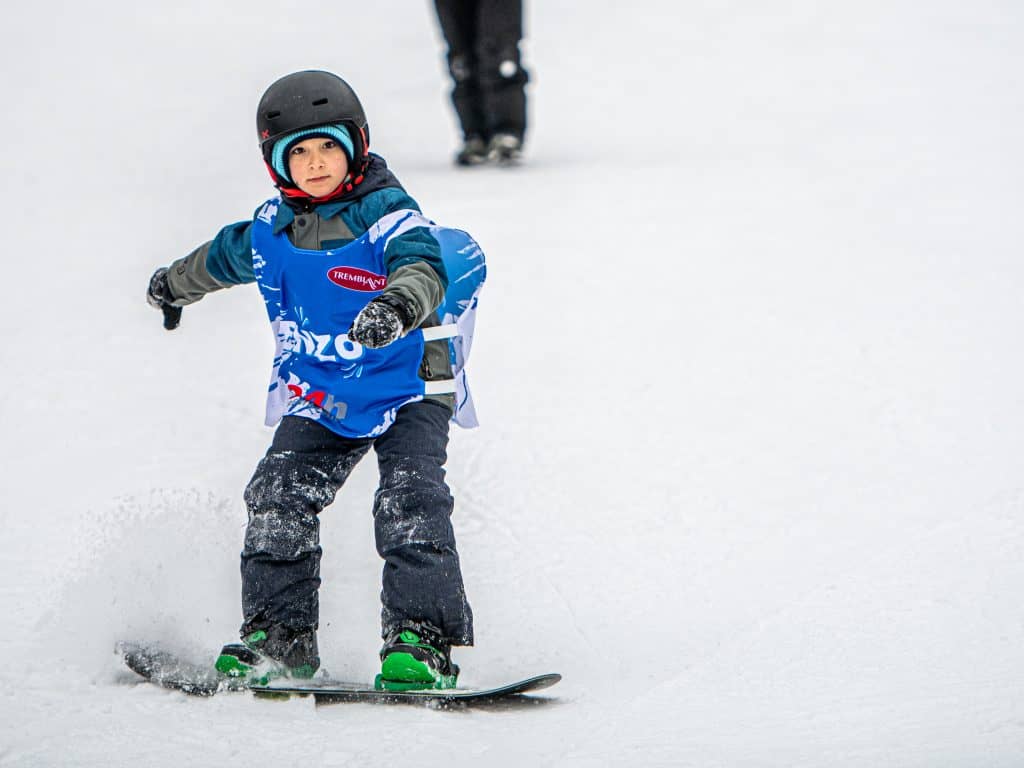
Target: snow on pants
{"points": [[300, 475]]}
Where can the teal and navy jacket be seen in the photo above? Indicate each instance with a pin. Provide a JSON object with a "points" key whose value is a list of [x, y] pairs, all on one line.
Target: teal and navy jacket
{"points": [[415, 270]]}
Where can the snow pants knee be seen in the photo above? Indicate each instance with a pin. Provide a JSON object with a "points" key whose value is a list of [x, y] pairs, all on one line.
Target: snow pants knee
{"points": [[301, 474]]}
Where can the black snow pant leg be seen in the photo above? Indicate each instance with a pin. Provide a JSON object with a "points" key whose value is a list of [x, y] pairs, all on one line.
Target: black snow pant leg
{"points": [[489, 93], [300, 475], [412, 510], [501, 74], [458, 20]]}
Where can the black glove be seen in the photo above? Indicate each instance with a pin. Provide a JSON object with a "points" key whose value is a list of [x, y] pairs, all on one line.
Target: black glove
{"points": [[380, 322], [157, 296]]}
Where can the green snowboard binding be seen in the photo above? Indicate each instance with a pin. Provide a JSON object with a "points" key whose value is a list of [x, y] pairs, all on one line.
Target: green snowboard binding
{"points": [[414, 660], [249, 663]]}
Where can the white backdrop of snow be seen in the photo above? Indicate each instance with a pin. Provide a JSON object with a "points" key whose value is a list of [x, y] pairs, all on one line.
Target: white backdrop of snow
{"points": [[755, 489]]}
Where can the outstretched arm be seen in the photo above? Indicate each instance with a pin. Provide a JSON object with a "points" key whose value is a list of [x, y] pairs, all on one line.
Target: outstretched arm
{"points": [[220, 263], [416, 275]]}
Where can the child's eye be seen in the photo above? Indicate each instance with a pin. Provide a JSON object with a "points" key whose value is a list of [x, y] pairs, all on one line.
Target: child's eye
{"points": [[330, 144], [298, 150]]}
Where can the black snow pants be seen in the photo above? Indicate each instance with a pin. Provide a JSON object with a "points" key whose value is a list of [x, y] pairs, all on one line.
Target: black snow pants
{"points": [[483, 59], [300, 475]]}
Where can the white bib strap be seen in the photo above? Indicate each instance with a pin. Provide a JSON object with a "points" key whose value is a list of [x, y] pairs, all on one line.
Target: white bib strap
{"points": [[447, 331], [440, 387]]}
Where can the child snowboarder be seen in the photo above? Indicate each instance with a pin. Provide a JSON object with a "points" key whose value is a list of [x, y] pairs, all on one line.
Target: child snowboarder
{"points": [[356, 287]]}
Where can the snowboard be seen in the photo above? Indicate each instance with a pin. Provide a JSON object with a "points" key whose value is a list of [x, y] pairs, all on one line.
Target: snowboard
{"points": [[333, 692], [172, 671]]}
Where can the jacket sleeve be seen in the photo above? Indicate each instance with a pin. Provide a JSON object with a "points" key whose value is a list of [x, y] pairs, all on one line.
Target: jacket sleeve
{"points": [[416, 273], [220, 263]]}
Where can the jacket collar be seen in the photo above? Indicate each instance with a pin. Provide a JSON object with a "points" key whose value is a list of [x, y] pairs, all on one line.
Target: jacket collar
{"points": [[286, 214]]}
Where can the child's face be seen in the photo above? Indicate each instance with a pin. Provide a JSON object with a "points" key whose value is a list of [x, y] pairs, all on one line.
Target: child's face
{"points": [[317, 165]]}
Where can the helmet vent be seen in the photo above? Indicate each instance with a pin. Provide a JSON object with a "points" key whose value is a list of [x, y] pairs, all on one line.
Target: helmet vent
{"points": [[319, 102], [272, 115]]}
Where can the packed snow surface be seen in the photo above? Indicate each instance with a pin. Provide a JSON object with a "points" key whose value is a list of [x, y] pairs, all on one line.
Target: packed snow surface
{"points": [[748, 368]]}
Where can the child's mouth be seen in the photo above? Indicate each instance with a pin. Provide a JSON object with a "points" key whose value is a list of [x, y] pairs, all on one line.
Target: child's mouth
{"points": [[318, 179]]}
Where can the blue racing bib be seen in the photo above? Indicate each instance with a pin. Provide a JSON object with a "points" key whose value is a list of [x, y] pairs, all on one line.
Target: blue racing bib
{"points": [[312, 297]]}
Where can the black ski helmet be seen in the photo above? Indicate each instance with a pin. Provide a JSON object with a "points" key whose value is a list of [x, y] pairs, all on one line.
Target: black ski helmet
{"points": [[307, 99]]}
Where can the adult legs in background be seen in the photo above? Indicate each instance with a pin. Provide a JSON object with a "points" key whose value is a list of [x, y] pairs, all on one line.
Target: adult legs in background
{"points": [[489, 82]]}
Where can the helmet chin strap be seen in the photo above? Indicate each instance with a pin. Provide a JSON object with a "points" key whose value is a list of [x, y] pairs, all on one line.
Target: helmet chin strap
{"points": [[294, 193]]}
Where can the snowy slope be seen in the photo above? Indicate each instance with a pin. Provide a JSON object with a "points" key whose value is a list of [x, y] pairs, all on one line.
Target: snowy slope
{"points": [[763, 507]]}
